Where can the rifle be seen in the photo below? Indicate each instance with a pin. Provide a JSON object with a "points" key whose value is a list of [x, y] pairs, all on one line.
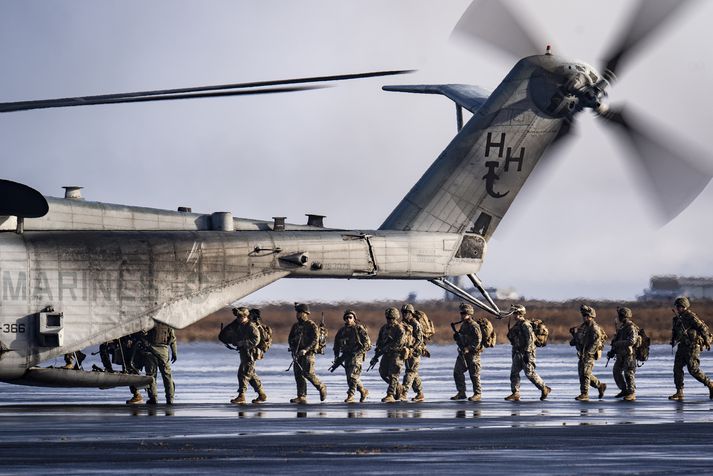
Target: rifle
{"points": [[294, 357], [459, 343], [338, 361], [377, 354]]}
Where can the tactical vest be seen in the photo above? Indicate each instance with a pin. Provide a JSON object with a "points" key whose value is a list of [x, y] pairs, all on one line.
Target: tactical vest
{"points": [[161, 334]]}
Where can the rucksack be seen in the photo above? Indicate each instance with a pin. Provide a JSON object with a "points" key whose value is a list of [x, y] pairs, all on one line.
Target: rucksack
{"points": [[487, 332], [541, 333], [427, 328], [321, 338], [643, 344], [265, 337], [228, 335]]}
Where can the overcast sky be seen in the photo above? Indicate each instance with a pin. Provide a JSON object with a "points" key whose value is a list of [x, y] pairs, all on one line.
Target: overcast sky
{"points": [[353, 151]]}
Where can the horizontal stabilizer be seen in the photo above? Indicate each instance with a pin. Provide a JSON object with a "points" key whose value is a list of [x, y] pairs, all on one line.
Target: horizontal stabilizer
{"points": [[58, 377], [465, 95]]}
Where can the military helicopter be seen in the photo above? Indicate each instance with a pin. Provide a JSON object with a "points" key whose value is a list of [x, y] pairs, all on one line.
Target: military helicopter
{"points": [[78, 273]]}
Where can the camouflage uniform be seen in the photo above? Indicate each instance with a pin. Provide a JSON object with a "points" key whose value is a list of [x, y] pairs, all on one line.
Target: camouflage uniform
{"points": [[303, 341], [247, 336], [587, 339], [415, 344], [470, 344], [160, 338], [522, 339], [623, 348], [691, 334], [390, 346], [132, 360], [352, 342]]}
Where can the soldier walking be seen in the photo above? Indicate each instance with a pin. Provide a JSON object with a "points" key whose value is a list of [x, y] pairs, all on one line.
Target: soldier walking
{"points": [[470, 344], [133, 361], [588, 339], [623, 347], [350, 346], [160, 338], [303, 340], [522, 339], [415, 343], [247, 338], [390, 347], [692, 335]]}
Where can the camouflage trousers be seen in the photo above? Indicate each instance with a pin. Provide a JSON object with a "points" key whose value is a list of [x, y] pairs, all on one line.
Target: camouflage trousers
{"points": [[471, 363], [157, 360], [390, 370], [352, 369], [524, 362], [411, 377], [625, 372], [690, 358], [586, 375], [246, 373], [304, 372]]}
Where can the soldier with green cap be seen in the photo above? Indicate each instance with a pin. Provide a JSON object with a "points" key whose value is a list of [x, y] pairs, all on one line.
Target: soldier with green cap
{"points": [[588, 339], [692, 335], [159, 340], [469, 339], [247, 339], [350, 346], [522, 340], [623, 347], [415, 343], [391, 347], [303, 341]]}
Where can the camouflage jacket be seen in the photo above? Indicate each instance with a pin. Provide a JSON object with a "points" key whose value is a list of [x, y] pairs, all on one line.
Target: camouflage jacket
{"points": [[588, 339], [162, 334], [247, 336], [392, 339], [351, 340], [469, 337], [626, 338], [414, 336], [303, 336], [689, 331], [522, 337]]}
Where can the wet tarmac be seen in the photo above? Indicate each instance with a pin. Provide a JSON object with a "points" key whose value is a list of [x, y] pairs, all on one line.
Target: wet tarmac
{"points": [[80, 431]]}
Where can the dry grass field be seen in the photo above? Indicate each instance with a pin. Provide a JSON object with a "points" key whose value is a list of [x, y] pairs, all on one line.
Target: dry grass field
{"points": [[654, 317]]}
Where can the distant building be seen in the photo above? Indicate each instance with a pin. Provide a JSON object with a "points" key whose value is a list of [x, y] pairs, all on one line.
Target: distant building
{"points": [[501, 294], [670, 287]]}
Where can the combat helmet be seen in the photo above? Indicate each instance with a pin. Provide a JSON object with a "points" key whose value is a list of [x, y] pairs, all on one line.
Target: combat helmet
{"points": [[624, 312], [408, 308], [241, 312], [587, 311], [392, 313], [518, 309], [683, 302], [466, 308], [349, 312]]}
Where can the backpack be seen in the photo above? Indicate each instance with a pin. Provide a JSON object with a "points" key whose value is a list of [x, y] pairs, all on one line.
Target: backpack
{"points": [[601, 339], [643, 343], [541, 333], [427, 327], [265, 336], [321, 338], [227, 334], [487, 331]]}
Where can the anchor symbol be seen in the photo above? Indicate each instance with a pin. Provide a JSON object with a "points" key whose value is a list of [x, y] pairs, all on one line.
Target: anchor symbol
{"points": [[490, 177]]}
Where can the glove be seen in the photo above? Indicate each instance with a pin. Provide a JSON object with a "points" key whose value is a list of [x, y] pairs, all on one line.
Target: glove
{"points": [[174, 358], [610, 354], [374, 361], [302, 352]]}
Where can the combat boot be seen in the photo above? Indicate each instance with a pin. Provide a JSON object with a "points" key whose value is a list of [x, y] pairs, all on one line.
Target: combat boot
{"points": [[151, 401], [389, 399], [135, 400], [299, 400], [545, 391], [350, 398], [322, 393], [678, 396], [239, 400], [582, 397], [459, 396], [169, 401], [630, 397], [602, 388], [364, 393], [513, 397], [419, 397], [261, 397], [710, 390], [474, 398], [620, 394]]}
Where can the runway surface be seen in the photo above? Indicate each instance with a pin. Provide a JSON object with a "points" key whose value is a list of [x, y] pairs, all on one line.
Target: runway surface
{"points": [[70, 431]]}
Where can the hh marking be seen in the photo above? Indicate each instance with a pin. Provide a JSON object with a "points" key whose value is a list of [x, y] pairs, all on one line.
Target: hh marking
{"points": [[491, 175]]}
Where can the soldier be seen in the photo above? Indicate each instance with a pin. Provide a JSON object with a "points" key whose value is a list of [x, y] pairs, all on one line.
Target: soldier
{"points": [[303, 341], [522, 339], [691, 334], [588, 339], [390, 347], [132, 361], [470, 344], [350, 346], [159, 339], [415, 343], [623, 347], [247, 338]]}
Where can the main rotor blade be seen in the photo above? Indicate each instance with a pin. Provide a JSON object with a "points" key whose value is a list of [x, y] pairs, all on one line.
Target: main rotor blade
{"points": [[646, 19], [673, 174], [186, 93], [493, 22]]}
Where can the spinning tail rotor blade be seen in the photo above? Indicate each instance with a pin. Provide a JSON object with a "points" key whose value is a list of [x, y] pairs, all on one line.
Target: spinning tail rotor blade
{"points": [[672, 173], [234, 89], [646, 19], [492, 22]]}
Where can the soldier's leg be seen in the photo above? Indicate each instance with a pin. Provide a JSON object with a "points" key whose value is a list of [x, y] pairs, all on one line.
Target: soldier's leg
{"points": [[164, 365], [151, 368], [618, 373], [517, 366], [474, 372], [105, 357], [299, 379], [583, 379], [358, 360], [310, 374], [411, 377], [679, 361], [243, 373], [459, 374], [630, 374], [384, 368], [395, 366], [532, 374], [694, 367]]}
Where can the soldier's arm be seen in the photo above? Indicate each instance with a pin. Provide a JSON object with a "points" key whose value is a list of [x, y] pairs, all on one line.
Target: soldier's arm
{"points": [[292, 338], [528, 335], [338, 342], [172, 343], [309, 341], [417, 334], [476, 337], [253, 337]]}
